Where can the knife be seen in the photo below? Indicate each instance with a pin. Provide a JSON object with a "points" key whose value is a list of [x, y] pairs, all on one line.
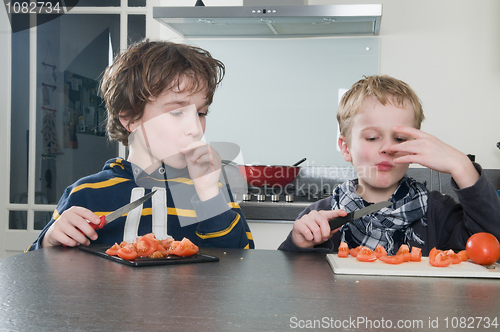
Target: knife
{"points": [[106, 219], [337, 222]]}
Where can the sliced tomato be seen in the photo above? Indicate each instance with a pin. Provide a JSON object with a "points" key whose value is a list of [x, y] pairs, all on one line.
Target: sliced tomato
{"points": [[156, 254], [167, 242], [463, 255], [343, 250], [127, 252], [396, 259], [405, 252], [455, 259], [145, 246], [173, 247], [441, 260], [433, 253], [183, 248], [151, 235], [113, 251], [354, 251], [366, 255], [380, 251], [161, 249], [416, 254]]}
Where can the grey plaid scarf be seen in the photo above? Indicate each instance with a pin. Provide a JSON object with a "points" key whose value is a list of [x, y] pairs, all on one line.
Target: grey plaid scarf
{"points": [[409, 206]]}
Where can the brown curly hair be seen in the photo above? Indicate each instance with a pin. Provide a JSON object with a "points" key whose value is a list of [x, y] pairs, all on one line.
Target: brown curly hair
{"points": [[145, 70]]}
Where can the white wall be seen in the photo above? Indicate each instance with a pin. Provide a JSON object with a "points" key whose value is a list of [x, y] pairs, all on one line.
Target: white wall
{"points": [[449, 52]]}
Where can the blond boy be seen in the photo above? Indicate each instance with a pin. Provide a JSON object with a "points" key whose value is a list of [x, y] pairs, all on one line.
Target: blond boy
{"points": [[380, 135]]}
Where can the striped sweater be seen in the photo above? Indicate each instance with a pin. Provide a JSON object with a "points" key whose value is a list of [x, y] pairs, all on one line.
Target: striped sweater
{"points": [[218, 222]]}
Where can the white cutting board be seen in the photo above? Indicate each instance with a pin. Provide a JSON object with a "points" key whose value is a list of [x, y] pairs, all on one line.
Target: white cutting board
{"points": [[351, 265]]}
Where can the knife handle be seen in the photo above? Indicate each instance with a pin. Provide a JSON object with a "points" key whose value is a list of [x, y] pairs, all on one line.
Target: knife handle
{"points": [[101, 224], [339, 221], [94, 226]]}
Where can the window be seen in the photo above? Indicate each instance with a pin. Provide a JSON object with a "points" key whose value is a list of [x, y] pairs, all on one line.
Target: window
{"points": [[57, 119]]}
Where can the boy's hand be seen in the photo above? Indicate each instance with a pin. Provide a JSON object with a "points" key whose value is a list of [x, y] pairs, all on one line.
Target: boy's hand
{"points": [[66, 229], [204, 165], [313, 228], [428, 151]]}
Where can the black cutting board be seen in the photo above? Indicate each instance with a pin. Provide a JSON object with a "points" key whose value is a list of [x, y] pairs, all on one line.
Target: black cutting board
{"points": [[100, 250]]}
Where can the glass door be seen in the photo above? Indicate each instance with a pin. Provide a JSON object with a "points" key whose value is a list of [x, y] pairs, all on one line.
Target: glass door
{"points": [[56, 124]]}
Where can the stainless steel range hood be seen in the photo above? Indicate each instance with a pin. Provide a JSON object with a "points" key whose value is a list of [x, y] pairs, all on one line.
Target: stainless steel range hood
{"points": [[272, 21]]}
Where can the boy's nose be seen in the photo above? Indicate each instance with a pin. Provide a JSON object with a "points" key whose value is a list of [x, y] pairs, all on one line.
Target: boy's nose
{"points": [[385, 148], [192, 125]]}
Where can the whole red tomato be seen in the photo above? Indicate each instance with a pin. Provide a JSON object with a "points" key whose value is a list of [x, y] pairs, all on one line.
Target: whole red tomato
{"points": [[483, 248]]}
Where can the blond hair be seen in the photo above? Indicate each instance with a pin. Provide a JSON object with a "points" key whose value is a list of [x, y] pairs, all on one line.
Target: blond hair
{"points": [[385, 89]]}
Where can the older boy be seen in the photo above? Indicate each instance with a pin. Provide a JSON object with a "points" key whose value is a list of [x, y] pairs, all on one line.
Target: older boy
{"points": [[157, 95], [379, 120]]}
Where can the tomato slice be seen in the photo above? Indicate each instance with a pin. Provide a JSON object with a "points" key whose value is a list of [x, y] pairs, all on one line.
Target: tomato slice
{"points": [[183, 248], [189, 247], [396, 259], [354, 251], [127, 252], [433, 253], [380, 251], [455, 259], [441, 260], [145, 246], [156, 254], [416, 254], [463, 255], [405, 252], [113, 251], [161, 249], [366, 255], [343, 250], [167, 242], [150, 235], [173, 247]]}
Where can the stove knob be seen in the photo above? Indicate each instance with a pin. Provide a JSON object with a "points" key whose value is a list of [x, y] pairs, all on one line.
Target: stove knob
{"points": [[275, 198], [247, 197], [289, 198], [261, 198]]}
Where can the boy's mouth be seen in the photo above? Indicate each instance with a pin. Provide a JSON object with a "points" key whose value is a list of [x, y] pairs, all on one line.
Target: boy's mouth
{"points": [[384, 166]]}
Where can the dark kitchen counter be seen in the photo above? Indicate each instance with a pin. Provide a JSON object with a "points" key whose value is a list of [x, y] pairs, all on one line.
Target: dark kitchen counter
{"points": [[66, 289]]}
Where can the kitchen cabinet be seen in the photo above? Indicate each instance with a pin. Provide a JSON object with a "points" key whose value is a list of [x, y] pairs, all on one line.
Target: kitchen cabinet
{"points": [[269, 234]]}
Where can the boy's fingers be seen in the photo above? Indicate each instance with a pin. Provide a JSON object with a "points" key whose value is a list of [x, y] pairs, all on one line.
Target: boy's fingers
{"points": [[191, 146], [319, 223], [413, 132], [86, 214], [331, 214]]}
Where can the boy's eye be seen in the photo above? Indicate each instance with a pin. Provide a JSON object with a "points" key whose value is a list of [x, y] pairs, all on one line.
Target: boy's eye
{"points": [[174, 113], [400, 139], [370, 139], [203, 114]]}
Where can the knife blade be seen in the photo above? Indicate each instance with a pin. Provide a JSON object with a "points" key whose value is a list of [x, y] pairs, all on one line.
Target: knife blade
{"points": [[106, 219], [337, 222]]}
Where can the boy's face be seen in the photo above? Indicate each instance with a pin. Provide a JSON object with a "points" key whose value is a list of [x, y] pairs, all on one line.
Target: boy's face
{"points": [[371, 134], [170, 122]]}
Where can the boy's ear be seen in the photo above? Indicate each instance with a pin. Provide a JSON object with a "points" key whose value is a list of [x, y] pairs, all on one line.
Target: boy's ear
{"points": [[344, 149]]}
